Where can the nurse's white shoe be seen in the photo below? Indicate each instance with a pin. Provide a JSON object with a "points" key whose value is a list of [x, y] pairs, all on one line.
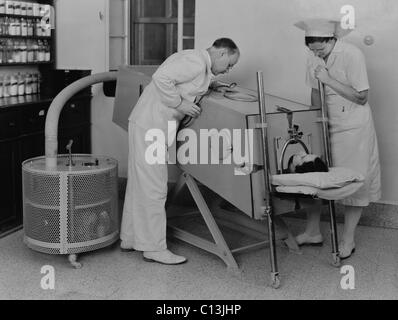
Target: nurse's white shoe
{"points": [[163, 257], [346, 250], [305, 239]]}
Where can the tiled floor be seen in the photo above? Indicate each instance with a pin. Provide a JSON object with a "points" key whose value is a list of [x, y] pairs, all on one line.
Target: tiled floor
{"points": [[112, 274]]}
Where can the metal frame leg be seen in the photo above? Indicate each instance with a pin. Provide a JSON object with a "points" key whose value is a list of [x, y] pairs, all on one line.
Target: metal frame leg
{"points": [[275, 279], [220, 247], [333, 230]]}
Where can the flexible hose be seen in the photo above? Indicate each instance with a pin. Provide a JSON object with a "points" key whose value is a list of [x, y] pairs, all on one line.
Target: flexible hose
{"points": [[52, 119]]}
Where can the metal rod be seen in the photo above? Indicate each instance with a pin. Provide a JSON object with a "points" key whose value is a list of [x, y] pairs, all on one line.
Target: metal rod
{"points": [[266, 172], [180, 25], [325, 125], [329, 162]]}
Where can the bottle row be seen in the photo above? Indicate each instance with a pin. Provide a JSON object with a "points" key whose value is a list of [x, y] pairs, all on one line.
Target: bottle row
{"points": [[25, 51], [24, 27], [20, 84], [25, 8]]}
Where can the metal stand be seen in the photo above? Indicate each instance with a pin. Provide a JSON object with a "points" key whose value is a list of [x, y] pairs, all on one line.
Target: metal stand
{"points": [[268, 212], [219, 246], [328, 156]]}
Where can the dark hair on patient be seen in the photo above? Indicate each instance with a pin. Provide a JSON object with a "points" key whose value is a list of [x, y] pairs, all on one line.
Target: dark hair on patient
{"points": [[311, 166], [226, 43], [309, 40]]}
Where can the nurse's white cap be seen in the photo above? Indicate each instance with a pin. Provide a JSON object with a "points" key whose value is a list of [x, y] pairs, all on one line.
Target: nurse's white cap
{"points": [[322, 28]]}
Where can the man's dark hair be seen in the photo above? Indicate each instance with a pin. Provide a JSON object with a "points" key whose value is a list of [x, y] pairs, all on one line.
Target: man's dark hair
{"points": [[309, 40], [311, 166], [226, 43]]}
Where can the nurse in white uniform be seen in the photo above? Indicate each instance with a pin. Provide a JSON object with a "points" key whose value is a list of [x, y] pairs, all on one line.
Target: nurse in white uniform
{"points": [[341, 67], [168, 98]]}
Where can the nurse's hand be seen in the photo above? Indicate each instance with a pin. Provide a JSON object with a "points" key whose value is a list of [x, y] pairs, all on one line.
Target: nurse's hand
{"points": [[322, 74], [189, 108]]}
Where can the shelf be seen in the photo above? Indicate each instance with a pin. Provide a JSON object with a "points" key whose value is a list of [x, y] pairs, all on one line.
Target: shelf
{"points": [[26, 63], [23, 100], [4, 15], [7, 36]]}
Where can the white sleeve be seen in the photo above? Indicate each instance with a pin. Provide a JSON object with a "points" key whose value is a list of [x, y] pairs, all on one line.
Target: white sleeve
{"points": [[356, 70], [170, 74]]}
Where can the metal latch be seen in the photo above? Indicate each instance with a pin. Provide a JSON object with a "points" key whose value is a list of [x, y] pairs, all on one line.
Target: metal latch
{"points": [[69, 148]]}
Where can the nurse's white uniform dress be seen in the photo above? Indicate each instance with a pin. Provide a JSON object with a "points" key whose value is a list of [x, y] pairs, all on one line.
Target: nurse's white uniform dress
{"points": [[184, 75], [353, 136]]}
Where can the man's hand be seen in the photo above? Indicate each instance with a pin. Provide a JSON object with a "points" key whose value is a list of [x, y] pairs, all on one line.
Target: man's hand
{"points": [[322, 74], [190, 109]]}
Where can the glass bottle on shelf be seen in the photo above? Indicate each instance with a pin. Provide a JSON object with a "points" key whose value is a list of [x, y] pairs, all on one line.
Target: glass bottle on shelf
{"points": [[38, 28], [10, 7], [6, 86], [11, 27], [17, 7], [30, 51], [28, 84], [35, 47], [10, 49], [36, 9], [29, 9], [6, 26], [16, 57], [35, 83], [39, 80], [40, 54], [1, 53], [23, 8], [24, 52], [30, 28], [1, 26], [4, 49], [2, 6], [21, 84], [17, 24], [13, 86], [24, 27], [48, 52], [1, 86]]}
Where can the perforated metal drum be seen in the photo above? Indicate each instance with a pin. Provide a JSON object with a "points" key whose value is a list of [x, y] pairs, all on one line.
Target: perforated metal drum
{"points": [[73, 207]]}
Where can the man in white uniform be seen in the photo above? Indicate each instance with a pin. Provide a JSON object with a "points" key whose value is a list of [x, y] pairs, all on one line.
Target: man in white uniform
{"points": [[169, 97], [341, 67]]}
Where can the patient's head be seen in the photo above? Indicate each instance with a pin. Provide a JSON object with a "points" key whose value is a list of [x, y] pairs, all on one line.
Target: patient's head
{"points": [[302, 163]]}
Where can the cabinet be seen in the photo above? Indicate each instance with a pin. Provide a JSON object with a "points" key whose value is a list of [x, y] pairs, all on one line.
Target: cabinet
{"points": [[26, 33], [22, 137]]}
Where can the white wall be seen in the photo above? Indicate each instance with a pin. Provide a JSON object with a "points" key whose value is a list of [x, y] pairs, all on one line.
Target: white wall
{"points": [[268, 41], [82, 28]]}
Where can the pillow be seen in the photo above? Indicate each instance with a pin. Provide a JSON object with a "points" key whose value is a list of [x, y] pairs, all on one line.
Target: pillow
{"points": [[326, 194], [337, 177]]}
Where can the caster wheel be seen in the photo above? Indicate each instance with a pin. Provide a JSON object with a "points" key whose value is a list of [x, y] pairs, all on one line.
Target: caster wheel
{"points": [[275, 282], [73, 261], [336, 261]]}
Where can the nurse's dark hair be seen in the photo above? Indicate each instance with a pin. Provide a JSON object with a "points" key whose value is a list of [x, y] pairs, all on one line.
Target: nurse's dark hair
{"points": [[311, 166], [226, 43], [309, 40]]}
